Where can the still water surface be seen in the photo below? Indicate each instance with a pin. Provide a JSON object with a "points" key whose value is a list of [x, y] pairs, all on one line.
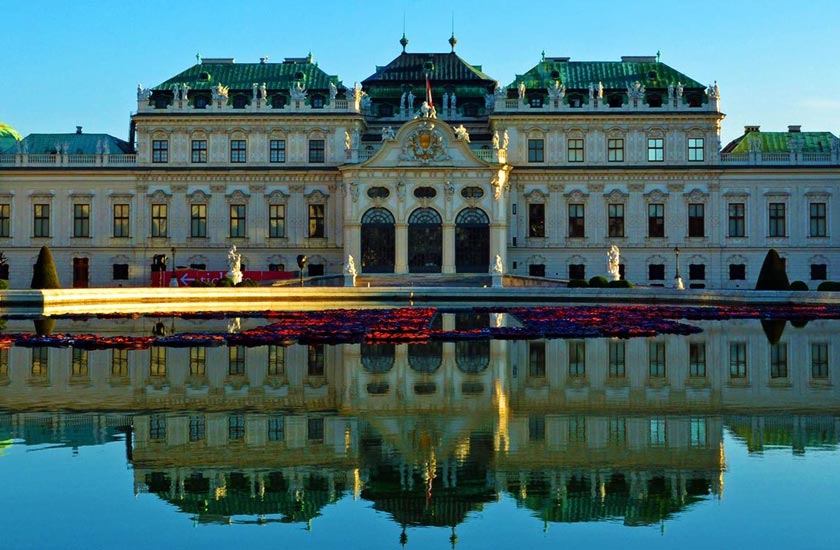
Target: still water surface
{"points": [[720, 438]]}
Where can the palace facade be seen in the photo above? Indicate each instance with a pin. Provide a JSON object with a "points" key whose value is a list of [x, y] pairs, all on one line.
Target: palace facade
{"points": [[545, 173]]}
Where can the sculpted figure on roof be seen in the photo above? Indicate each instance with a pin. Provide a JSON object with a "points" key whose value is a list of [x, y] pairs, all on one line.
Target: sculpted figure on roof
{"points": [[403, 103], [489, 101], [388, 133], [453, 101], [410, 99], [462, 134], [557, 90], [143, 93], [297, 91], [600, 90], [333, 91], [219, 91], [522, 91], [264, 91]]}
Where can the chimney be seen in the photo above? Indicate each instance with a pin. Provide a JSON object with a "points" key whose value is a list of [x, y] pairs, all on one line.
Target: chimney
{"points": [[795, 128], [78, 129], [749, 128]]}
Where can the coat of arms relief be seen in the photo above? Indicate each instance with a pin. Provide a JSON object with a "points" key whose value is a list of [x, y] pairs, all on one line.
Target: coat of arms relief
{"points": [[424, 144]]}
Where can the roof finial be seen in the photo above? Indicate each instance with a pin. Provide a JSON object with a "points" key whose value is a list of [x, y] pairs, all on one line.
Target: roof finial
{"points": [[452, 39], [403, 40], [658, 55], [198, 58], [543, 56]]}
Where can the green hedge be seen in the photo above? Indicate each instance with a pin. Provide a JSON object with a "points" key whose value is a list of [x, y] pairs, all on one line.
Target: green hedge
{"points": [[829, 286], [578, 283], [598, 281], [621, 283], [798, 285], [44, 274], [4, 284]]}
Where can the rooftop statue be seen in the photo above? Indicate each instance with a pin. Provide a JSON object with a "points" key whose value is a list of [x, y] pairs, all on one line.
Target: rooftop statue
{"points": [[462, 134], [333, 91], [297, 91], [388, 134], [219, 91], [522, 91], [143, 93]]}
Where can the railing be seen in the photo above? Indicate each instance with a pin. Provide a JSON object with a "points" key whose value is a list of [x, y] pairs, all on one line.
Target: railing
{"points": [[57, 161], [791, 159], [484, 154], [81, 159], [43, 159], [126, 160], [775, 157], [366, 154]]}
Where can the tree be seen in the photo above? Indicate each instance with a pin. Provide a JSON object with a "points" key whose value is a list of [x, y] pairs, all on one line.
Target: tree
{"points": [[772, 275], [45, 275]]}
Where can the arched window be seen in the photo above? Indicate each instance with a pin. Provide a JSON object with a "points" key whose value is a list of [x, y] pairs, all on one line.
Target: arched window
{"points": [[377, 241], [472, 241], [377, 358], [425, 358], [425, 241]]}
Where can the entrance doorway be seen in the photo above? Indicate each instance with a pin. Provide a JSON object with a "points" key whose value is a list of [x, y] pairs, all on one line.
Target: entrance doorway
{"points": [[377, 241], [425, 241], [472, 241], [81, 272]]}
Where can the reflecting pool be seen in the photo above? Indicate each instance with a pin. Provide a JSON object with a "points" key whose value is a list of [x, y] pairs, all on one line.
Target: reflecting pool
{"points": [[724, 434]]}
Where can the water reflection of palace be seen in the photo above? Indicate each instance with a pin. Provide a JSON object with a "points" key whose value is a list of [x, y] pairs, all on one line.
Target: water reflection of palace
{"points": [[574, 430]]}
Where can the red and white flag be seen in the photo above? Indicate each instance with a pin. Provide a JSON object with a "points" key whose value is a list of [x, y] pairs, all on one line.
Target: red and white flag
{"points": [[429, 92]]}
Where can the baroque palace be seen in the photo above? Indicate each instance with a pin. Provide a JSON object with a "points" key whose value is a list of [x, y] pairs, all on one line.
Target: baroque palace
{"points": [[427, 166]]}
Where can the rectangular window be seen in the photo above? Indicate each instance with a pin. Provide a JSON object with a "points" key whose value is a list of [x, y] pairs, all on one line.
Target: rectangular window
{"points": [[536, 150], [737, 272], [237, 150], [79, 365], [198, 221], [819, 272], [819, 360], [41, 220], [615, 214], [536, 359], [656, 359], [40, 362], [276, 221], [656, 272], [577, 359], [160, 150], [198, 427], [697, 272], [778, 360], [237, 221], [199, 151], [81, 220], [315, 430], [738, 360], [617, 434], [695, 149], [697, 432], [536, 220], [198, 361], [576, 221], [658, 433], [316, 221], [615, 150], [577, 271], [656, 220], [536, 428], [157, 427], [575, 150], [616, 360], [776, 223], [5, 220], [817, 218], [316, 150], [697, 360], [277, 150], [236, 360], [119, 363], [121, 221], [577, 429], [315, 360], [276, 428], [696, 219], [276, 360], [159, 220], [737, 227], [157, 361], [656, 149], [120, 272], [236, 427]]}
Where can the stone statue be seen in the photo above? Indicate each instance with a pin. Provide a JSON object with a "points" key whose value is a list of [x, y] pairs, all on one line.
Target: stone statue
{"points": [[388, 133], [350, 266], [600, 90], [234, 325], [613, 256], [671, 92], [176, 91], [264, 91], [254, 91], [636, 90], [445, 100], [354, 191], [333, 91], [461, 133], [505, 140], [557, 90], [348, 140], [425, 110], [403, 102], [219, 91], [143, 93], [498, 266], [449, 190], [184, 89], [500, 92], [489, 101], [522, 91], [679, 89], [453, 101], [591, 92], [410, 99], [297, 91], [496, 139], [365, 101], [401, 190], [234, 264]]}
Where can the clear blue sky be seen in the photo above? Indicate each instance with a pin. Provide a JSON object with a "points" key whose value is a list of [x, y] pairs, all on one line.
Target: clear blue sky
{"points": [[69, 63]]}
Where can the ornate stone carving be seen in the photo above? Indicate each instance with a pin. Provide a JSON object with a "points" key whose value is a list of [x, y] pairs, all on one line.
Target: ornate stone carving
{"points": [[461, 133], [425, 144]]}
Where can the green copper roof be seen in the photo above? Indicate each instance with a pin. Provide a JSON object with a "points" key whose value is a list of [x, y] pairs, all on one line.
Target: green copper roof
{"points": [[612, 74], [780, 142], [411, 68], [241, 76], [8, 137], [77, 144]]}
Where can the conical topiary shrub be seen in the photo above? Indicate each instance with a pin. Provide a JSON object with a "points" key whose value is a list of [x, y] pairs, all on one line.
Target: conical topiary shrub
{"points": [[773, 275], [45, 275]]}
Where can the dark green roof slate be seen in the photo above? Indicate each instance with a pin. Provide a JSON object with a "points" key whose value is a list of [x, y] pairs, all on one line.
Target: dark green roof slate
{"points": [[241, 76], [8, 138], [780, 142], [410, 68], [77, 144], [612, 74]]}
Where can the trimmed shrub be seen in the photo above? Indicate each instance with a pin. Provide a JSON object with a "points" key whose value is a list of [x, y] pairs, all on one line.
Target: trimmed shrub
{"points": [[829, 286], [621, 283], [4, 284], [798, 285], [247, 283], [799, 323], [45, 275], [772, 275], [773, 329], [202, 284], [598, 281], [44, 326], [578, 283], [225, 281]]}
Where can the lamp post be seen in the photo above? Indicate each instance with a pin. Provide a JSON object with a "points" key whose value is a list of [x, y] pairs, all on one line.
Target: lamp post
{"points": [[678, 282], [301, 261], [174, 280]]}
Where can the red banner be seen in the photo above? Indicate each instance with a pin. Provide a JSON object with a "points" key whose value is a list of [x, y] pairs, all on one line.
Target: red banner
{"points": [[186, 277]]}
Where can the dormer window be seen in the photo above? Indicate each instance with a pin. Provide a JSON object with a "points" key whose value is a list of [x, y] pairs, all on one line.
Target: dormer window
{"points": [[535, 101], [240, 101], [298, 75], [694, 100], [386, 110], [161, 102], [575, 101], [654, 100], [204, 75], [278, 101], [615, 101], [317, 102], [201, 101]]}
